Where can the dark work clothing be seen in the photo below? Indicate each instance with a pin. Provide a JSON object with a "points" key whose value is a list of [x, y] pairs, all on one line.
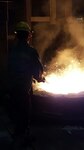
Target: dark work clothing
{"points": [[23, 65], [19, 110]]}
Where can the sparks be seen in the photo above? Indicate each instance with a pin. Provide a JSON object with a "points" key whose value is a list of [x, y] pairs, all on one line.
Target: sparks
{"points": [[70, 80]]}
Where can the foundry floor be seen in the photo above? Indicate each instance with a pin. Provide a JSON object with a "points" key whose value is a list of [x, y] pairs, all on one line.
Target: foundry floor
{"points": [[47, 136]]}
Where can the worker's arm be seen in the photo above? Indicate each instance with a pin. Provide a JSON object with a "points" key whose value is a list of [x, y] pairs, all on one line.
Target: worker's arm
{"points": [[37, 67]]}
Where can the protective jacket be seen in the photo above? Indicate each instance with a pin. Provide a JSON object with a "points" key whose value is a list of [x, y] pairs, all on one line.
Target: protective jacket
{"points": [[23, 65]]}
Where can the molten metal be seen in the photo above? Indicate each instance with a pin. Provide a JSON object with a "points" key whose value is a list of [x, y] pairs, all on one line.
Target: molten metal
{"points": [[69, 81]]}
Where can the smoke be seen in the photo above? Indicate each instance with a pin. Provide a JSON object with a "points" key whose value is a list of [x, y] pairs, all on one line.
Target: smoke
{"points": [[64, 8], [45, 34], [70, 43], [74, 49], [76, 28]]}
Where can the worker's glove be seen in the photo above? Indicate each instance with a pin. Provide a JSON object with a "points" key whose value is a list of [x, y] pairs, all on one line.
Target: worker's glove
{"points": [[41, 79]]}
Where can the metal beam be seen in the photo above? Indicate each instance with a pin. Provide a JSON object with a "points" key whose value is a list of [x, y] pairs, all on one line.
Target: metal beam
{"points": [[53, 11], [28, 11], [40, 19]]}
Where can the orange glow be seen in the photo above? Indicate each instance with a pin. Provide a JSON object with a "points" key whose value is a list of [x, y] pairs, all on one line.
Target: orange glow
{"points": [[70, 80]]}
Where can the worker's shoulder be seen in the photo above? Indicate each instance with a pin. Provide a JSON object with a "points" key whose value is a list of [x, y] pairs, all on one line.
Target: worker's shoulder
{"points": [[32, 49]]}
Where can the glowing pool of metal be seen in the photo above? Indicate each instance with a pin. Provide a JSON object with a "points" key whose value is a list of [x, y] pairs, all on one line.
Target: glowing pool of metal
{"points": [[69, 81]]}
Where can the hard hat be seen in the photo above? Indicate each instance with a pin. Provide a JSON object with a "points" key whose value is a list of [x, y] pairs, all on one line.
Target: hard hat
{"points": [[22, 26]]}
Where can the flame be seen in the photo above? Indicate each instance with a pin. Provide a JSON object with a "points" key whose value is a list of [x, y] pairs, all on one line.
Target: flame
{"points": [[68, 81]]}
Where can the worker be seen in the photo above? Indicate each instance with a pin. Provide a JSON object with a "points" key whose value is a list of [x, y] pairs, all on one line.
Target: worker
{"points": [[23, 65]]}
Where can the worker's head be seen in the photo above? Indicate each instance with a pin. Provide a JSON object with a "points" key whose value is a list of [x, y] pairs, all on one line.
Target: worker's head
{"points": [[23, 30]]}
